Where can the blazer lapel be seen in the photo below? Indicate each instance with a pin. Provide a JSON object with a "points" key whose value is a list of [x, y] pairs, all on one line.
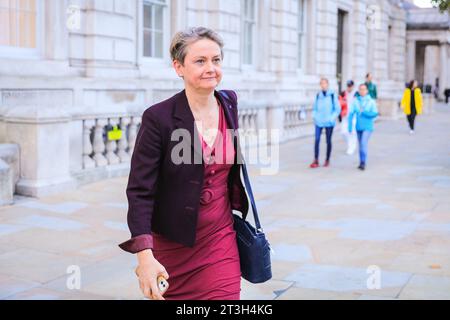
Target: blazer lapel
{"points": [[233, 124], [227, 110], [184, 119]]}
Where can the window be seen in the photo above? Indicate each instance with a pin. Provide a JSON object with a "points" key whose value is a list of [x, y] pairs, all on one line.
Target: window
{"points": [[249, 23], [300, 33], [153, 28], [18, 23]]}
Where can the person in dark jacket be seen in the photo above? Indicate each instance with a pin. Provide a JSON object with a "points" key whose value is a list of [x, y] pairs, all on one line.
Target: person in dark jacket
{"points": [[372, 87], [181, 194]]}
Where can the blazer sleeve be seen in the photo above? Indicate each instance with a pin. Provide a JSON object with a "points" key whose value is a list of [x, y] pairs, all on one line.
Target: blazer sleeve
{"points": [[142, 184]]}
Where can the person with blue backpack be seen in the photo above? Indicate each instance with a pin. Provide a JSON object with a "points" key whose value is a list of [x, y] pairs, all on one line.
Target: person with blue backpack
{"points": [[326, 110], [365, 110]]}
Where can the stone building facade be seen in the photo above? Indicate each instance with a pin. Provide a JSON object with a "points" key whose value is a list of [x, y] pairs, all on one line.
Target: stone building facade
{"points": [[70, 68]]}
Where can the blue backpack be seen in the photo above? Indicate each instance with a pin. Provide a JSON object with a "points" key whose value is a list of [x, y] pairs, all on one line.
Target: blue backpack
{"points": [[332, 99]]}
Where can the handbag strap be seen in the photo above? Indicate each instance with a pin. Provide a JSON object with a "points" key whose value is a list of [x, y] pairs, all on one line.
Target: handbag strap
{"points": [[252, 199], [248, 186]]}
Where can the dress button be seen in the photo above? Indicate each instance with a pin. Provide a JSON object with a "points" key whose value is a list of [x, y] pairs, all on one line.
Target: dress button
{"points": [[213, 171], [206, 196], [210, 182]]}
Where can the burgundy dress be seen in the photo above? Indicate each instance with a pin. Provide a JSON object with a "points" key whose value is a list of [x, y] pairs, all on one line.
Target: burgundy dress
{"points": [[211, 269]]}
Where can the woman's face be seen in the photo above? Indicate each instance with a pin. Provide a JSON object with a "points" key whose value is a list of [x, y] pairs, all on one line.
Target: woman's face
{"points": [[324, 85], [202, 69], [363, 90]]}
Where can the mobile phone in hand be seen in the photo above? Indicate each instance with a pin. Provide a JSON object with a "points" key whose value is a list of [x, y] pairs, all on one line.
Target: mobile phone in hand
{"points": [[163, 285]]}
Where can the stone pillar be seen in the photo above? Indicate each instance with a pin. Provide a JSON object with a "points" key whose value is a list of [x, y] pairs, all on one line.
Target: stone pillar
{"points": [[311, 43], [263, 43], [178, 16], [428, 101], [275, 121], [443, 81], [43, 136], [411, 59], [57, 35]]}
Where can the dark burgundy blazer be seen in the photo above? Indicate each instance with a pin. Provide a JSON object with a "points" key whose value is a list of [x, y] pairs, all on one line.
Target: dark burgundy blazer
{"points": [[164, 197]]}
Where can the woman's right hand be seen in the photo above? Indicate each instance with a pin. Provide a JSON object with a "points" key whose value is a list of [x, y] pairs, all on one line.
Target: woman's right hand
{"points": [[148, 270]]}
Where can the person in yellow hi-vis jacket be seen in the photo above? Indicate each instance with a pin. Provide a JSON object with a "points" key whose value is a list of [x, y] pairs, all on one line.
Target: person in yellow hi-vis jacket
{"points": [[412, 103]]}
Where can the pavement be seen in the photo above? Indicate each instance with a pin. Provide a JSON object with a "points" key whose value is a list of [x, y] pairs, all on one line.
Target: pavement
{"points": [[337, 232]]}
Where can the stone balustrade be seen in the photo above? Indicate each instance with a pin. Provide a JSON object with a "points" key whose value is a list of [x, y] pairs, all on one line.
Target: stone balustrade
{"points": [[82, 153], [296, 119], [98, 150]]}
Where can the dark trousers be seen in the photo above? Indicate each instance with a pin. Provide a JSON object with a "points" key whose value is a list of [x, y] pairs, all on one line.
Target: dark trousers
{"points": [[411, 119], [329, 134]]}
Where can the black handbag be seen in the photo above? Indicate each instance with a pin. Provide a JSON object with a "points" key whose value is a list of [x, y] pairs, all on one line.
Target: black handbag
{"points": [[254, 248]]}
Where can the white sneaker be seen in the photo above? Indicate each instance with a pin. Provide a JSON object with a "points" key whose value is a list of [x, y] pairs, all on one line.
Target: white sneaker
{"points": [[411, 132]]}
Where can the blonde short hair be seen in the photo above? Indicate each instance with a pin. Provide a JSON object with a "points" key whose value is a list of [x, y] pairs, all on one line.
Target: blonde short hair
{"points": [[182, 39]]}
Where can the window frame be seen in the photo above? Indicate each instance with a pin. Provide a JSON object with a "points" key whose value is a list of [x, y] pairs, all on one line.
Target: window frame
{"points": [[29, 53], [254, 23], [149, 60]]}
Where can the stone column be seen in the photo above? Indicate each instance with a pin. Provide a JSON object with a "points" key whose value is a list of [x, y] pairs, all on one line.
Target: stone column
{"points": [[411, 59], [263, 44], [57, 35], [178, 16], [428, 101], [43, 136], [443, 81], [275, 121]]}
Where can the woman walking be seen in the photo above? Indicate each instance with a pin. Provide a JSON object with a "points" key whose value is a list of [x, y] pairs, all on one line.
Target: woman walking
{"points": [[326, 110], [365, 110], [180, 212], [345, 100], [412, 104]]}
